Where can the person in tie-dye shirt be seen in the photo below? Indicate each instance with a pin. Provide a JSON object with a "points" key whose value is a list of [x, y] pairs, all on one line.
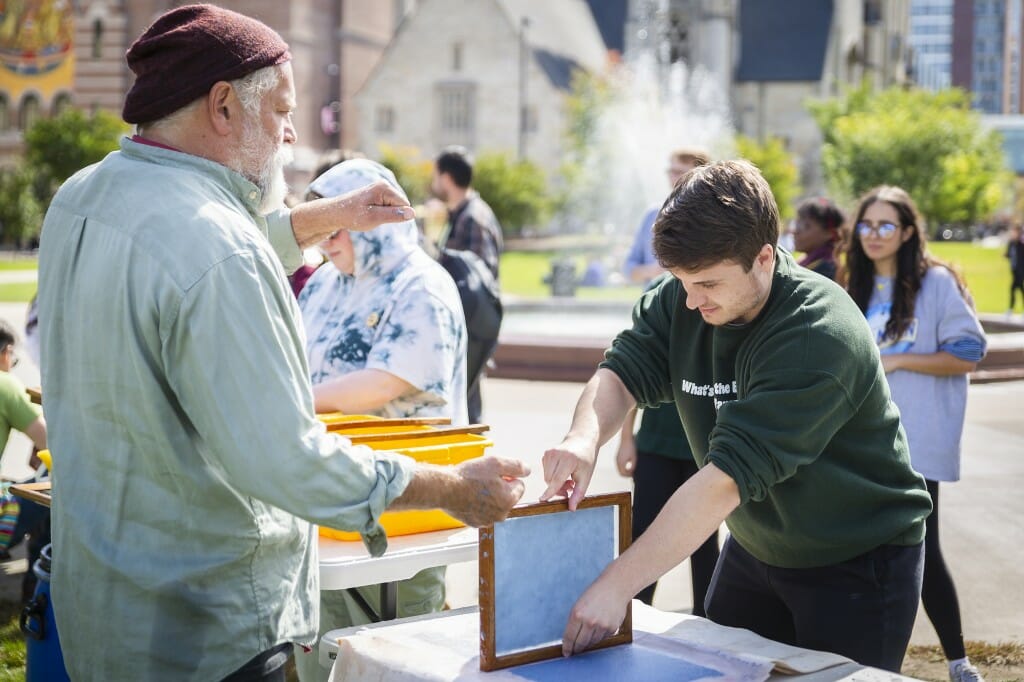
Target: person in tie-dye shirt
{"points": [[386, 336]]}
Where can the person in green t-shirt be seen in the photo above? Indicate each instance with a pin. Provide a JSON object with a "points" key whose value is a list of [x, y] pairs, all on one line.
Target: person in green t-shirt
{"points": [[18, 413], [782, 395]]}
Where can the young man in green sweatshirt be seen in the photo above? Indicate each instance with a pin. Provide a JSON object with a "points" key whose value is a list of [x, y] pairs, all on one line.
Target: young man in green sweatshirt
{"points": [[785, 405]]}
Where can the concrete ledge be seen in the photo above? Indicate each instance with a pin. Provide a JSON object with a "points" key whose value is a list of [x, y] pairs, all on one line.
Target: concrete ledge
{"points": [[547, 358], [538, 357]]}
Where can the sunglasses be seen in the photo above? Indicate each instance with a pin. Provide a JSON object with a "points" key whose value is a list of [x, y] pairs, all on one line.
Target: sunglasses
{"points": [[881, 230]]}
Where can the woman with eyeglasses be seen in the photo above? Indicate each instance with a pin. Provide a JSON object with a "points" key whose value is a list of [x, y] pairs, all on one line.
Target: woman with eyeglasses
{"points": [[930, 339]]}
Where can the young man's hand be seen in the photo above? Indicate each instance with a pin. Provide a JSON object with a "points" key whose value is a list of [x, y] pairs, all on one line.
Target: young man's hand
{"points": [[568, 469]]}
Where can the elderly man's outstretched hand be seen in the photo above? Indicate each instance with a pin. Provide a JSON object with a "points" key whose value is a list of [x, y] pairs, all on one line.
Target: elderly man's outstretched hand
{"points": [[492, 486], [360, 210], [374, 205]]}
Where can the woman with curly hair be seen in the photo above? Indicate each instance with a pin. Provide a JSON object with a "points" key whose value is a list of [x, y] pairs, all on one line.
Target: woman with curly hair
{"points": [[930, 339]]}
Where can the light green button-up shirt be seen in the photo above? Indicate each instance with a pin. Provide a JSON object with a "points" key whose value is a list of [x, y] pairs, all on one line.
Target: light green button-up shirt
{"points": [[188, 461]]}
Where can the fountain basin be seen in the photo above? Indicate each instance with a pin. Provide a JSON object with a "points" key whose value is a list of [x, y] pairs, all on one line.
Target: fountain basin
{"points": [[565, 339]]}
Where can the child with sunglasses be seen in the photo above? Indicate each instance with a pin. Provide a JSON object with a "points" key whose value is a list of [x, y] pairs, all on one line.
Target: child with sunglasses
{"points": [[930, 339]]}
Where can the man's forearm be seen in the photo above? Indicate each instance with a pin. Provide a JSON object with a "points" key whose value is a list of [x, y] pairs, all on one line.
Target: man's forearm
{"points": [[359, 391], [601, 408], [359, 210], [431, 487], [690, 516]]}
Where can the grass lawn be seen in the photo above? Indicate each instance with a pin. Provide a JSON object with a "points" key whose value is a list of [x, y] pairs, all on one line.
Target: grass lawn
{"points": [[17, 292], [523, 273], [12, 643], [15, 261], [986, 270]]}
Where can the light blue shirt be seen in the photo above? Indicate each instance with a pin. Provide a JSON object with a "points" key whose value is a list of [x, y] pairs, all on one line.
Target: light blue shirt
{"points": [[188, 460], [932, 408], [642, 251]]}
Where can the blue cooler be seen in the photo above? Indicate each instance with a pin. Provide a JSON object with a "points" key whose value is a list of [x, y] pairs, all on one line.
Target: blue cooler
{"points": [[44, 661]]}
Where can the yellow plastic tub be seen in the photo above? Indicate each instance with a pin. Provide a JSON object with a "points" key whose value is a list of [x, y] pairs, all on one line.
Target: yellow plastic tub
{"points": [[443, 450], [341, 417]]}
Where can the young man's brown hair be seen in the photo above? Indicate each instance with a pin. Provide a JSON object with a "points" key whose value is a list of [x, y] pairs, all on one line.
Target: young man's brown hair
{"points": [[724, 211]]}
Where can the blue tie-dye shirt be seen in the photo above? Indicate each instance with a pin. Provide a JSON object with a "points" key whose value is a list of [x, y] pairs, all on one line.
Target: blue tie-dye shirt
{"points": [[398, 312]]}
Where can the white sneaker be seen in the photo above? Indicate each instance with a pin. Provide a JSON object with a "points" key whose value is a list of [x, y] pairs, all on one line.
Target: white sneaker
{"points": [[965, 672]]}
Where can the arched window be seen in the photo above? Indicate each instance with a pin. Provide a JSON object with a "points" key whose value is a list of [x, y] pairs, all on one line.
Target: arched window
{"points": [[61, 103], [30, 111]]}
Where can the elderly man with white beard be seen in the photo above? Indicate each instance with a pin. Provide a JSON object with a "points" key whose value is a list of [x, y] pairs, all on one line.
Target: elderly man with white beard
{"points": [[190, 464]]}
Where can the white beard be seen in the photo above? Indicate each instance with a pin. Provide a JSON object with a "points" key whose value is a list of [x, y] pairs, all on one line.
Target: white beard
{"points": [[268, 175], [271, 180]]}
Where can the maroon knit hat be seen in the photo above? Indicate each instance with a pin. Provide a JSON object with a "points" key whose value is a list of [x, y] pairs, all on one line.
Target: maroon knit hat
{"points": [[189, 49]]}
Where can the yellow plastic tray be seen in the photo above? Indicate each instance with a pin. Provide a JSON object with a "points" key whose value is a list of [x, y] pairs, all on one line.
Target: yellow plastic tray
{"points": [[341, 417], [443, 450]]}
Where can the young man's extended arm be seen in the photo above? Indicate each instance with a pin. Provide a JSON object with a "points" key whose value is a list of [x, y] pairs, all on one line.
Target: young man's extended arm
{"points": [[689, 518], [599, 414]]}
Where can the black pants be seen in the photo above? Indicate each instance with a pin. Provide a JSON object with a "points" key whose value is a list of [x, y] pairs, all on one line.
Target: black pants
{"points": [[265, 667], [1015, 286], [474, 402], [656, 479], [938, 594], [863, 608]]}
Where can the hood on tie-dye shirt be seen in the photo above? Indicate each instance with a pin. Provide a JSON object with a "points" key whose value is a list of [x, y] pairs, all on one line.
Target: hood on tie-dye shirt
{"points": [[380, 250]]}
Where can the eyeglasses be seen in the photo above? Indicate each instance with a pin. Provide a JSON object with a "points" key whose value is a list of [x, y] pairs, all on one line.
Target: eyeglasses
{"points": [[881, 230]]}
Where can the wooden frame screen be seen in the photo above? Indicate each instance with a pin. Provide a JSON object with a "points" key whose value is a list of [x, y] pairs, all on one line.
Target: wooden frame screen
{"points": [[533, 568]]}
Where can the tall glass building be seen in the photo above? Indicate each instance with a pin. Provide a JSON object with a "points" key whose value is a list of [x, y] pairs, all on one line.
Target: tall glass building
{"points": [[931, 39]]}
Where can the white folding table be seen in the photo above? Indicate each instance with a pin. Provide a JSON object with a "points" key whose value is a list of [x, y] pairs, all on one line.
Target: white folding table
{"points": [[347, 565]]}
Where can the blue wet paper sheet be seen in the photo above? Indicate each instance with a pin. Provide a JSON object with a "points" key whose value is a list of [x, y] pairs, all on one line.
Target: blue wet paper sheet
{"points": [[542, 564], [615, 664]]}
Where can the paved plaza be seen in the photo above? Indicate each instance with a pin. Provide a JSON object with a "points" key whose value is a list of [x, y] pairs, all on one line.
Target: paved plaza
{"points": [[982, 533]]}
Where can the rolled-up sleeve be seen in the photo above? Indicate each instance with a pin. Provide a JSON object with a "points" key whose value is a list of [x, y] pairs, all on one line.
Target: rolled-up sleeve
{"points": [[234, 359], [785, 422], [959, 331], [282, 240]]}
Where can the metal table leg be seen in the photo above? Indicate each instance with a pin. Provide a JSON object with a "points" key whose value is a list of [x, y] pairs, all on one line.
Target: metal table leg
{"points": [[388, 602]]}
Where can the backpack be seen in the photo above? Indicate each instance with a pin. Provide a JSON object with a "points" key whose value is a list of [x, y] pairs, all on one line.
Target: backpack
{"points": [[481, 302]]}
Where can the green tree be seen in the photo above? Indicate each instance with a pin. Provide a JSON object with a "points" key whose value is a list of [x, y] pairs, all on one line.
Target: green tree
{"points": [[778, 168], [516, 190], [588, 99], [412, 171], [930, 144], [21, 214], [58, 147]]}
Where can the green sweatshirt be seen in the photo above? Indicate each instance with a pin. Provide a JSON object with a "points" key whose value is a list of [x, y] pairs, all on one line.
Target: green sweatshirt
{"points": [[794, 406]]}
